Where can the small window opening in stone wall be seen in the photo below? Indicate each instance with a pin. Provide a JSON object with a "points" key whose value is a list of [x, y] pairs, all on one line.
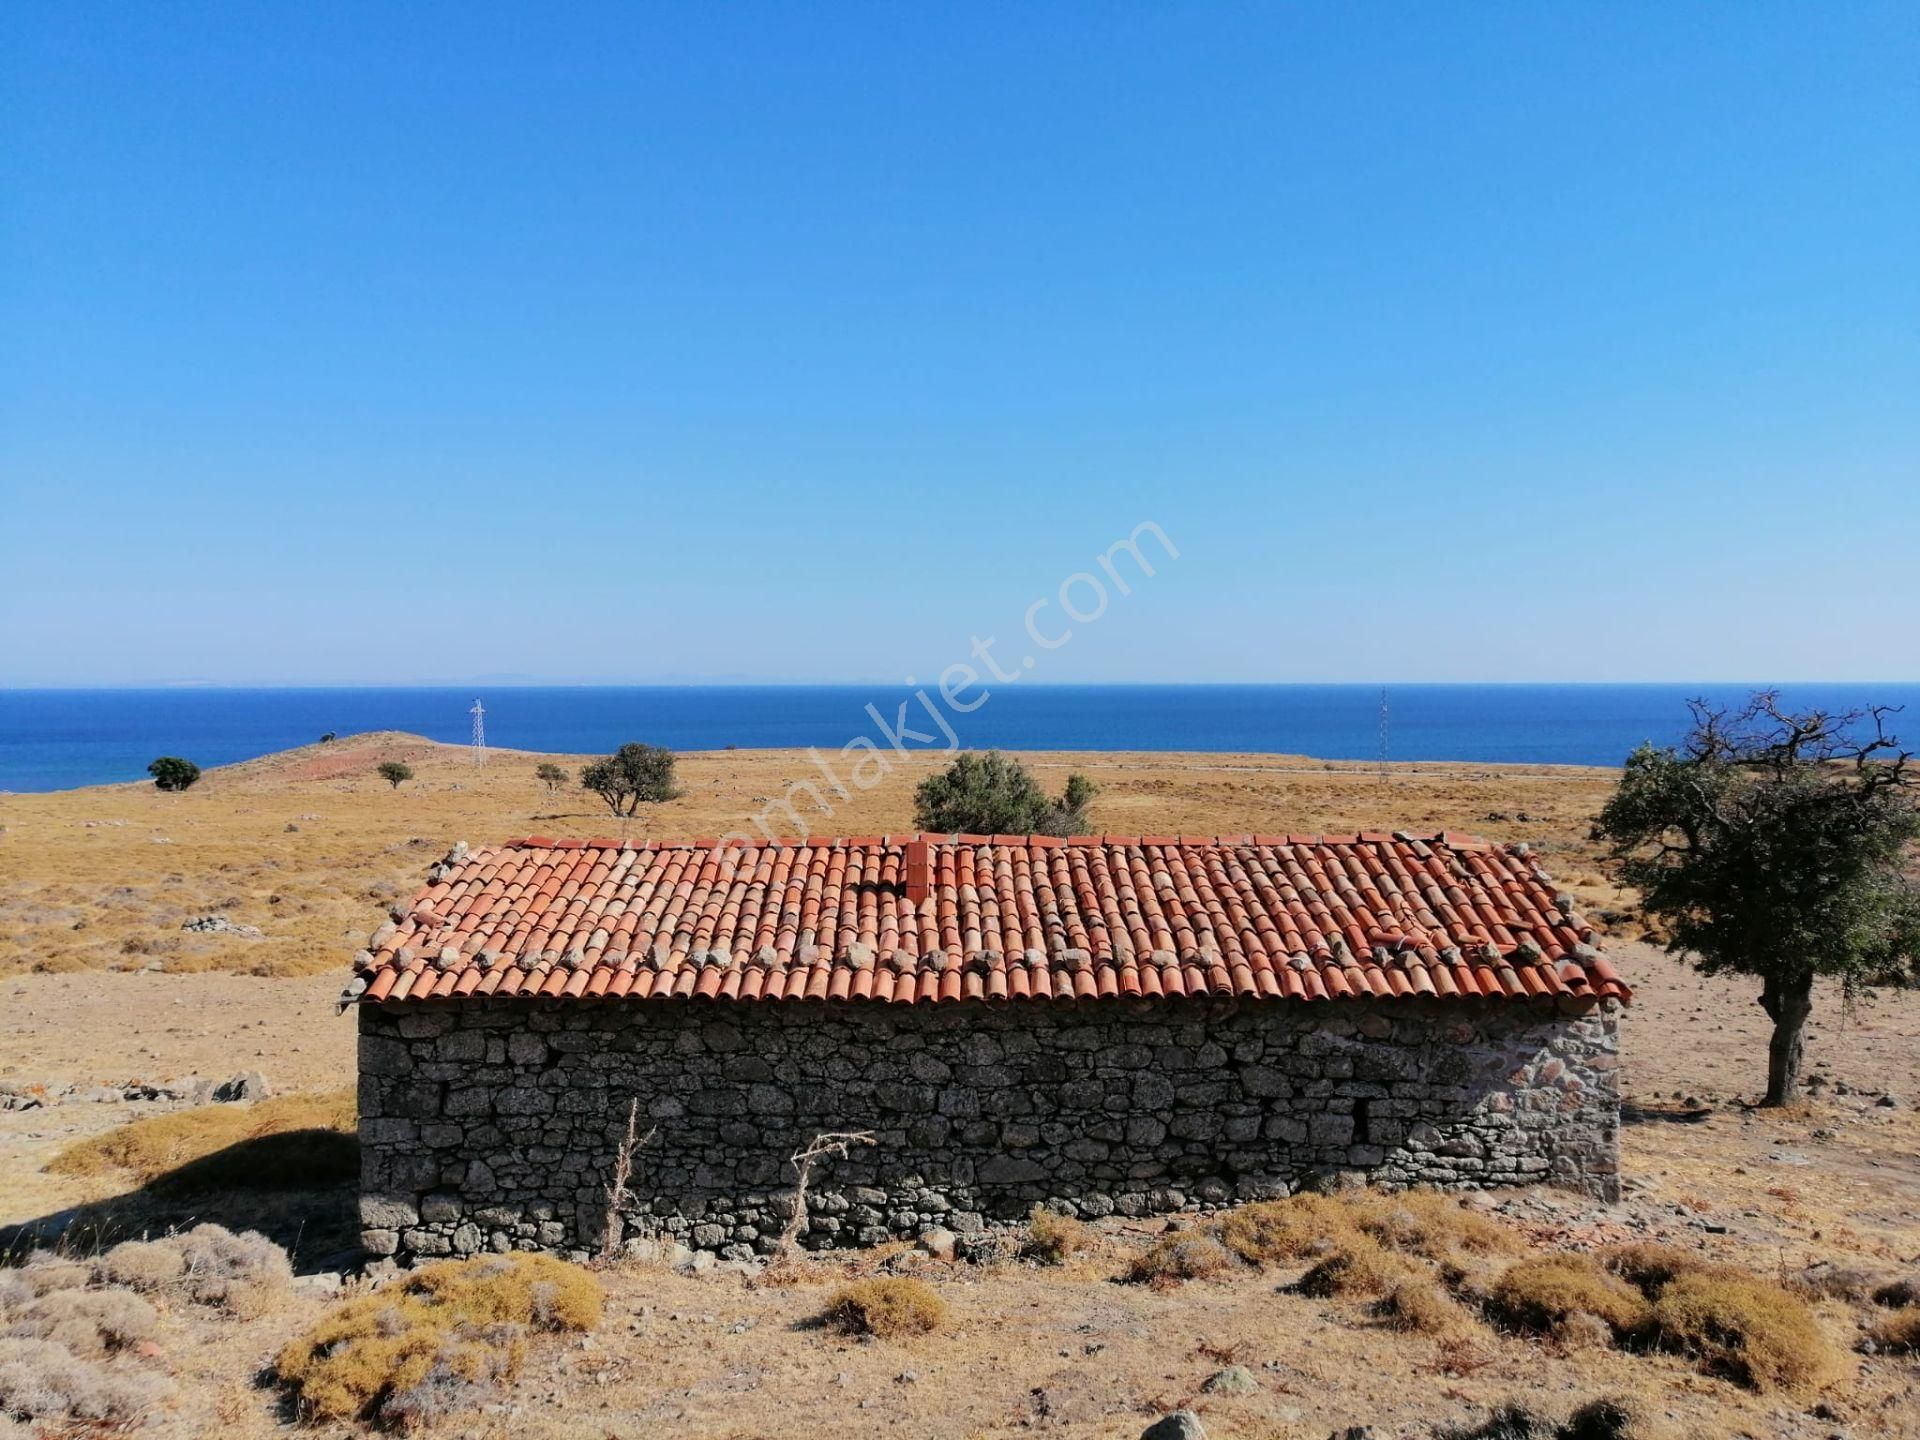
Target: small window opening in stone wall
{"points": [[1360, 1136]]}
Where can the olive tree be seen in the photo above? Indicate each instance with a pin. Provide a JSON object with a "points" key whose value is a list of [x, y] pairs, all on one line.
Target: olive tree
{"points": [[632, 775], [170, 772], [989, 794], [553, 779], [394, 772], [1775, 845]]}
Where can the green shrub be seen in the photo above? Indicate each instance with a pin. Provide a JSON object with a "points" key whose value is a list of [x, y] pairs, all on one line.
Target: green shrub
{"points": [[989, 794], [394, 772], [170, 772]]}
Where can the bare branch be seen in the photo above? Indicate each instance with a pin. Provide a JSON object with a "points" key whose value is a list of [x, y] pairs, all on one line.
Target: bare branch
{"points": [[836, 1142], [617, 1195]]}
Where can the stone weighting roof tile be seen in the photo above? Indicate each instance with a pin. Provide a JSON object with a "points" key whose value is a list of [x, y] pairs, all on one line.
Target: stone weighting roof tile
{"points": [[938, 918]]}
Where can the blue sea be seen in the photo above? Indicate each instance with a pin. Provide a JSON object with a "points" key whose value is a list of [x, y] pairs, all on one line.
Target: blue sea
{"points": [[54, 739]]}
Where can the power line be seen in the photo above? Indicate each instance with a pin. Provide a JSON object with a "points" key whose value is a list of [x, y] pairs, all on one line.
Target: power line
{"points": [[479, 713]]}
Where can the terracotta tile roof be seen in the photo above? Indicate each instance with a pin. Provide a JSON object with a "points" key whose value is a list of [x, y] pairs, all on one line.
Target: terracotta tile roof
{"points": [[1283, 917]]}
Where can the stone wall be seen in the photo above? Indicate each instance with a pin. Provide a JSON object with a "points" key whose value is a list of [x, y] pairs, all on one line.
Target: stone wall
{"points": [[494, 1126]]}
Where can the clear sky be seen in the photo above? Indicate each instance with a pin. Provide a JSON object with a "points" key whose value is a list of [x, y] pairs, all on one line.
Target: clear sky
{"points": [[390, 343]]}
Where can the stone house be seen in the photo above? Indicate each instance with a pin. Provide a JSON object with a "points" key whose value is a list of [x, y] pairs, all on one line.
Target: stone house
{"points": [[1100, 1024]]}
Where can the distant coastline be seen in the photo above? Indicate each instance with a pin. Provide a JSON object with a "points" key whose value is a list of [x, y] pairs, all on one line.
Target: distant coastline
{"points": [[60, 739]]}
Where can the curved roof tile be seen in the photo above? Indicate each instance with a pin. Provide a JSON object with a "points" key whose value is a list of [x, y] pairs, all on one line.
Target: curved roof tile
{"points": [[1297, 917]]}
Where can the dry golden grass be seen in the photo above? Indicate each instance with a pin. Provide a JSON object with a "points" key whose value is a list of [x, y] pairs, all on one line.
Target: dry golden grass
{"points": [[1742, 1327], [1421, 1305], [1358, 1266], [435, 1345], [310, 1142], [310, 845], [887, 1307], [1272, 1232], [1539, 1294], [1182, 1255], [1053, 1238]]}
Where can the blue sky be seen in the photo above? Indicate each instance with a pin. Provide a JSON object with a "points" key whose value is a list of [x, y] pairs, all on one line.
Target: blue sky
{"points": [[369, 343]]}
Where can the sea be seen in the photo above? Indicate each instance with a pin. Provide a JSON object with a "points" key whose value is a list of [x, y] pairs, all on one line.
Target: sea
{"points": [[57, 739]]}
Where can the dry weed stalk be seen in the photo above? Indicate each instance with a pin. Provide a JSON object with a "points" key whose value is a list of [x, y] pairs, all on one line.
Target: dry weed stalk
{"points": [[836, 1142], [622, 1173]]}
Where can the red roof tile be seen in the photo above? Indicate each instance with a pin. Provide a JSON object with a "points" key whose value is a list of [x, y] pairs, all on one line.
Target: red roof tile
{"points": [[1294, 917]]}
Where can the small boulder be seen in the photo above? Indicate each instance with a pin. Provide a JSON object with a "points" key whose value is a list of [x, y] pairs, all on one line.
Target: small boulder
{"points": [[1180, 1425], [1234, 1380], [939, 1242], [249, 1085]]}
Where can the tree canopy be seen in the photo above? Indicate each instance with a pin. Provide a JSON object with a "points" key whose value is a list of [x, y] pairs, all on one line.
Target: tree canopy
{"points": [[989, 794], [1776, 845], [634, 774], [170, 772], [394, 771], [553, 778]]}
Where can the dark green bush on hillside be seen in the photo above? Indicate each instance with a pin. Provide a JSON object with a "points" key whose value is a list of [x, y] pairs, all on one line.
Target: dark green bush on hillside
{"points": [[992, 795], [633, 774], [393, 772], [170, 772]]}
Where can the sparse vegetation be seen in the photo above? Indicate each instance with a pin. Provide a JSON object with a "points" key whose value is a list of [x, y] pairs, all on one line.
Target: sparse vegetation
{"points": [[1053, 1238], [1899, 1332], [1356, 1265], [86, 1322], [1748, 1329], [288, 1142], [1421, 1305], [887, 1307], [553, 779], [438, 1343], [633, 775], [1775, 844], [1181, 1255], [990, 794], [170, 772], [1540, 1293], [43, 1382], [395, 772]]}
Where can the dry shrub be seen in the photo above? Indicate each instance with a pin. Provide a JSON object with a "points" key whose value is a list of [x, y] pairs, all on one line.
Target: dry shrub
{"points": [[1745, 1328], [1053, 1238], [1271, 1232], [445, 1341], [1183, 1255], [1896, 1294], [527, 1289], [297, 1142], [1356, 1265], [396, 1359], [1428, 1223], [41, 1381], [1581, 1331], [887, 1307], [1539, 1294], [1422, 1306], [45, 1272], [1649, 1267], [1615, 1417], [87, 1322], [142, 1265], [14, 1291], [1900, 1331], [243, 1272]]}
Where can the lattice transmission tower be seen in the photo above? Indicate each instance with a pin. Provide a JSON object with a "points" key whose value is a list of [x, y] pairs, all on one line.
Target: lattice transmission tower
{"points": [[479, 713], [1384, 774]]}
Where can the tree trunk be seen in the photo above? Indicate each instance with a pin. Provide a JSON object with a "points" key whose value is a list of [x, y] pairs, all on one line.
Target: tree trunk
{"points": [[1788, 1000]]}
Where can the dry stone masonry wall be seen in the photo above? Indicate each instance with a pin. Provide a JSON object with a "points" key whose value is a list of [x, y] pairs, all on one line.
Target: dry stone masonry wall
{"points": [[495, 1126]]}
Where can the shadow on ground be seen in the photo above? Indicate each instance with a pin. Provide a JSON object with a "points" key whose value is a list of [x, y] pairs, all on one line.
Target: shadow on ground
{"points": [[299, 1188]]}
